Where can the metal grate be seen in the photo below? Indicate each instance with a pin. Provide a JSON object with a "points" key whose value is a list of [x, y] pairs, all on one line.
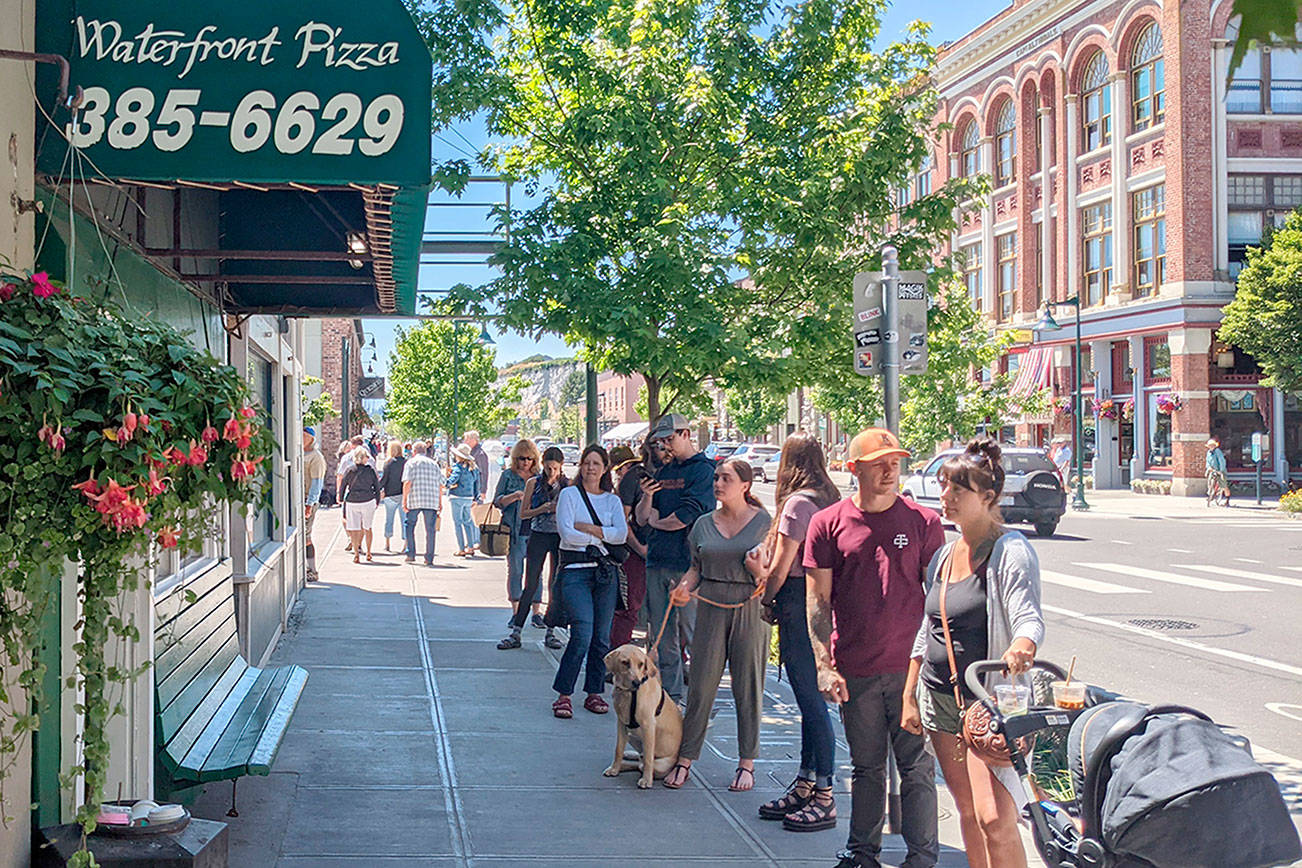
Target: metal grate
{"points": [[1162, 624]]}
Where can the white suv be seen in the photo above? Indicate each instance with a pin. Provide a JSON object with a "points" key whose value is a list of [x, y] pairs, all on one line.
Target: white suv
{"points": [[756, 454]]}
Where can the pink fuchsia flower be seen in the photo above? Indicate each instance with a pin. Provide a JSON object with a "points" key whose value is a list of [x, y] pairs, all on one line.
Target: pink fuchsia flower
{"points": [[7, 291], [175, 455], [125, 434], [209, 435], [198, 455], [47, 431], [231, 429], [144, 420], [130, 421], [57, 441], [157, 484], [244, 441], [167, 537], [129, 515], [90, 487], [248, 412], [41, 286]]}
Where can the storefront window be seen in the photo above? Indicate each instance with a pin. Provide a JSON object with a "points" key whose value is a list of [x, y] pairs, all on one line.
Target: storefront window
{"points": [[1236, 415], [1159, 435], [262, 523], [1157, 365], [1293, 432]]}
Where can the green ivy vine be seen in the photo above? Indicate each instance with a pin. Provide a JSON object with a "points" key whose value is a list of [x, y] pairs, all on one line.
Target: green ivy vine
{"points": [[118, 438]]}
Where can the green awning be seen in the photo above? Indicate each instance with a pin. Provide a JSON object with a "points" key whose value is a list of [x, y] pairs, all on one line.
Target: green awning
{"points": [[309, 122]]}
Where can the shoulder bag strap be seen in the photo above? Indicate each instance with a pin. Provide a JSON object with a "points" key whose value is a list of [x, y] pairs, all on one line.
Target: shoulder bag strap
{"points": [[948, 570], [592, 512]]}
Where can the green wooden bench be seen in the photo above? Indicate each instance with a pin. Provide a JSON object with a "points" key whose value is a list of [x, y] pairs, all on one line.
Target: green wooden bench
{"points": [[215, 716]]}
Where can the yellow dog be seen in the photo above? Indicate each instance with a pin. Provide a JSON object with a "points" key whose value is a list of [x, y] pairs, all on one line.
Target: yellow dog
{"points": [[644, 716]]}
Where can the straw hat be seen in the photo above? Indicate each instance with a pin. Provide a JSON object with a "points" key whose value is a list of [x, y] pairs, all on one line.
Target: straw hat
{"points": [[462, 451], [620, 456], [1213, 443]]}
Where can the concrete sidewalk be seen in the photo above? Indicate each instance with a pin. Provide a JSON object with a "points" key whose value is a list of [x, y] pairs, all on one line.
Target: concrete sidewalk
{"points": [[1128, 503], [417, 742]]}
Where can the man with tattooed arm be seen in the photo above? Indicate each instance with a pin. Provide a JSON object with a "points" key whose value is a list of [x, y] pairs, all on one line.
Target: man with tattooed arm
{"points": [[865, 558]]}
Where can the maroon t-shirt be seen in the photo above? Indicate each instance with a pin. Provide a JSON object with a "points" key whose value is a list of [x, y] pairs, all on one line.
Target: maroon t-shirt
{"points": [[878, 561]]}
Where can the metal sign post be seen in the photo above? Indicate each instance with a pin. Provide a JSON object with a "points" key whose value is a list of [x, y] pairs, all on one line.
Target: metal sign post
{"points": [[891, 338], [890, 328]]}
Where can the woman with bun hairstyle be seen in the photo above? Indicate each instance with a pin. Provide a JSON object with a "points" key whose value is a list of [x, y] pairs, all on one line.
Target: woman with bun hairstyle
{"points": [[804, 488], [732, 633], [987, 584]]}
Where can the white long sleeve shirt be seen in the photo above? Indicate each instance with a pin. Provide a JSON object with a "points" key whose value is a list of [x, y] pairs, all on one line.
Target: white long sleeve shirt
{"points": [[570, 508]]}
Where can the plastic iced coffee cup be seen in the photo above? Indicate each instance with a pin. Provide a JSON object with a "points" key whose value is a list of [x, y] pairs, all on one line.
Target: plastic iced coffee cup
{"points": [[1070, 696], [1012, 699]]}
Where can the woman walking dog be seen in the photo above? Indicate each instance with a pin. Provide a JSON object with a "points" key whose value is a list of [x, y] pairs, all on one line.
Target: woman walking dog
{"points": [[983, 600]]}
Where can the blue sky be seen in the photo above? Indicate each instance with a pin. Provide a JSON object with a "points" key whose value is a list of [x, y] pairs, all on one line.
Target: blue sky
{"points": [[949, 19]]}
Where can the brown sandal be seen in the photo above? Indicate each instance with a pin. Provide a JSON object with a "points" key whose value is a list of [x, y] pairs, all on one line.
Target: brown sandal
{"points": [[562, 708], [687, 775], [735, 786]]}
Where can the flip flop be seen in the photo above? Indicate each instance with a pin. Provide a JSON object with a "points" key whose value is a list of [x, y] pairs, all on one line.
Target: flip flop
{"points": [[735, 786], [687, 775]]}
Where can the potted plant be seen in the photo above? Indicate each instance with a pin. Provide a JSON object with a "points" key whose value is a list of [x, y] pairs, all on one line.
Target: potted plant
{"points": [[1168, 403]]}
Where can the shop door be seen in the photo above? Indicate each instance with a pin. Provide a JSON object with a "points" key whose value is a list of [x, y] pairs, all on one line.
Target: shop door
{"points": [[1125, 448]]}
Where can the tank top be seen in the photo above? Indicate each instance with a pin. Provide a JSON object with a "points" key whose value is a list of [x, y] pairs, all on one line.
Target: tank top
{"points": [[544, 522]]}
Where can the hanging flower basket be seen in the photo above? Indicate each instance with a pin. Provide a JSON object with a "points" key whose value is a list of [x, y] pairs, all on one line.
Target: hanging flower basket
{"points": [[1107, 409], [1128, 409], [1063, 406], [1168, 403]]}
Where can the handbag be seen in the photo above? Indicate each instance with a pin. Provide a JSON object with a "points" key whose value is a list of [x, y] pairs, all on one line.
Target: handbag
{"points": [[494, 536], [617, 552], [974, 719]]}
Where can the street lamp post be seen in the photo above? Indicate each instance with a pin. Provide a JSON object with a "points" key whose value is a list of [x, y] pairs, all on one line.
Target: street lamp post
{"points": [[484, 339], [1048, 324]]}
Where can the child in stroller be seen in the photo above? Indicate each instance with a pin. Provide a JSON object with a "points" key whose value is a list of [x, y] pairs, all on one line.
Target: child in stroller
{"points": [[1151, 786]]}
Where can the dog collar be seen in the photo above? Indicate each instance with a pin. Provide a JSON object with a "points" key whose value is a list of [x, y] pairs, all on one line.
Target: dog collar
{"points": [[632, 708]]}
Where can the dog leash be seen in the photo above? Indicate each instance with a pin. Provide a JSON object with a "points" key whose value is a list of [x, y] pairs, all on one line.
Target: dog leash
{"points": [[696, 596]]}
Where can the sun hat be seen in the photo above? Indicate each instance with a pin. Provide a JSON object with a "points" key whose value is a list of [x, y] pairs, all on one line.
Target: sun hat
{"points": [[462, 451], [621, 455], [874, 443], [1213, 443]]}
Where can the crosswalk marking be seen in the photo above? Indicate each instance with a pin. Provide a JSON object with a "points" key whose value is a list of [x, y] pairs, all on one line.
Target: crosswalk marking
{"points": [[1094, 586], [1172, 578], [1295, 569], [1242, 574]]}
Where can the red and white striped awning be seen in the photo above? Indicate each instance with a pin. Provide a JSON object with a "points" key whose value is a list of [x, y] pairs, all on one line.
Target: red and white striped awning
{"points": [[1034, 372]]}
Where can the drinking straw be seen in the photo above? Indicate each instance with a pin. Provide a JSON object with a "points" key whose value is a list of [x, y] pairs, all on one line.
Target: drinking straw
{"points": [[1071, 667]]}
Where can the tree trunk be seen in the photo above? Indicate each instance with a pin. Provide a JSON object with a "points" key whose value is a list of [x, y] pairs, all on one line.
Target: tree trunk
{"points": [[652, 397]]}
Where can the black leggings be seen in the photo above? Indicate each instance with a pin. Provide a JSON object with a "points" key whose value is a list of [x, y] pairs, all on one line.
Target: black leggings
{"points": [[540, 545]]}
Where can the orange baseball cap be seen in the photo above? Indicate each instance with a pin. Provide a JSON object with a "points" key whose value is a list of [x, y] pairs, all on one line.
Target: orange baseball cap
{"points": [[874, 443]]}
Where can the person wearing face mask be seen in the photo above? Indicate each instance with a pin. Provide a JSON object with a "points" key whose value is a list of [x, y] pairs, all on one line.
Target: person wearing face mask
{"points": [[732, 633], [865, 559], [983, 600]]}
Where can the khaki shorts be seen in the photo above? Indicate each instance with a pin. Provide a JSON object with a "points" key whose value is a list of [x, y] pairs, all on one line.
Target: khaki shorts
{"points": [[938, 710]]}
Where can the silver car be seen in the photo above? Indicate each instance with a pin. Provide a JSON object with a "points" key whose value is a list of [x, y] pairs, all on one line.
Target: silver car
{"points": [[756, 455], [1033, 490]]}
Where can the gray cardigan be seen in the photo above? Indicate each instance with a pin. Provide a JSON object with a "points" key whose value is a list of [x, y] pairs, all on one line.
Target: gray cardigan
{"points": [[1012, 596]]}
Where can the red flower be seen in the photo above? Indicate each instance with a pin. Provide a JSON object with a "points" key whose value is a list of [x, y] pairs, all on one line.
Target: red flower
{"points": [[157, 485], [198, 455], [41, 286], [129, 421], [144, 420], [175, 455], [209, 435], [231, 429], [244, 442], [248, 412], [124, 434], [167, 537], [57, 442], [7, 291], [47, 431], [90, 487], [130, 515], [238, 470]]}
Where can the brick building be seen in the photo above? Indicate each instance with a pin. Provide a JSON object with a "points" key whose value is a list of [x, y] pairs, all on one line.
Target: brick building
{"points": [[1127, 173], [617, 398], [328, 342]]}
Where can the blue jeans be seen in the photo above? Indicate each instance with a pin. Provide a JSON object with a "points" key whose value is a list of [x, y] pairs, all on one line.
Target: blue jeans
{"points": [[392, 506], [466, 530], [431, 518], [515, 556], [590, 605], [817, 741]]}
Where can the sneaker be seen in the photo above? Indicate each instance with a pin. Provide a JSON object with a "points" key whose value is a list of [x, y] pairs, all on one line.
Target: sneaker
{"points": [[537, 621], [552, 641], [848, 860]]}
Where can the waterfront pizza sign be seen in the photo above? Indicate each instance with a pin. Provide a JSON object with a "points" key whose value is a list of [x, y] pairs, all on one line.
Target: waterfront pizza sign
{"points": [[326, 92]]}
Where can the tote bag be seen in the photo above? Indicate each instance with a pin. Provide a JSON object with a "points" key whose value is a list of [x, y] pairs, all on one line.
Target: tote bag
{"points": [[494, 534]]}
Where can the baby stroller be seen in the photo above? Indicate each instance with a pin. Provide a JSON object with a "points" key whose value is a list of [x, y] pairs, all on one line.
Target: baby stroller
{"points": [[1152, 787]]}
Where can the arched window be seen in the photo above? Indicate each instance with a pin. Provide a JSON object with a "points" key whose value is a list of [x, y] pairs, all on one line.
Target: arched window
{"points": [[970, 151], [1096, 104], [1148, 79], [1006, 145]]}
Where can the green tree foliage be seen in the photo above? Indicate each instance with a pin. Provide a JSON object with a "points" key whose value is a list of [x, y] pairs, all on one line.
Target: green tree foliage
{"points": [[944, 403], [1265, 317], [754, 410], [574, 390], [676, 144], [316, 410], [421, 394], [1270, 22]]}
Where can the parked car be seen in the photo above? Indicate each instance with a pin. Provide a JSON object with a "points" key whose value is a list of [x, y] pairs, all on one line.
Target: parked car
{"points": [[571, 452], [1033, 491], [769, 469], [721, 449], [756, 454]]}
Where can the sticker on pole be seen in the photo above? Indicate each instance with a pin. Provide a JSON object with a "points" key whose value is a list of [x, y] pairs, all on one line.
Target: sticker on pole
{"points": [[867, 323], [912, 305]]}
